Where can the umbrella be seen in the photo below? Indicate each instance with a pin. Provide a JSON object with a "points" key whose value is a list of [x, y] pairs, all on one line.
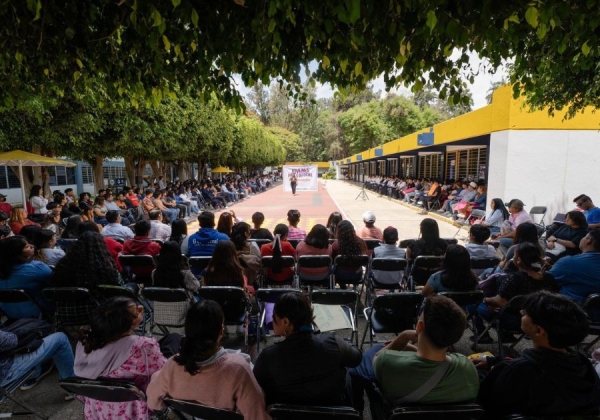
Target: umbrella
{"points": [[20, 158], [221, 170]]}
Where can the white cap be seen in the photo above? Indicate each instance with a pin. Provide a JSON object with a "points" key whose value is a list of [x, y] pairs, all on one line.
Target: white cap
{"points": [[369, 217], [473, 184]]}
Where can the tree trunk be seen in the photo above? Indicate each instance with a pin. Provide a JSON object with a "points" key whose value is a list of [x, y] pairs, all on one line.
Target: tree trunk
{"points": [[182, 170], [201, 169], [96, 164], [156, 170], [130, 170]]}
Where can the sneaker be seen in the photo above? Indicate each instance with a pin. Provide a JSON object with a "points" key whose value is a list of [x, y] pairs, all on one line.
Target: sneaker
{"points": [[30, 383]]}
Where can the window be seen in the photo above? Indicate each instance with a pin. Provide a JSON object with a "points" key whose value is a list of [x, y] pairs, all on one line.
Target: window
{"points": [[381, 164], [429, 165], [87, 175], [393, 164], [372, 168], [61, 175], [8, 179], [407, 166], [468, 164]]}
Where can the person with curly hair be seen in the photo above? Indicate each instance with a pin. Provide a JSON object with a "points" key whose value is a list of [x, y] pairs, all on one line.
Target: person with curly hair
{"points": [[109, 349], [202, 362], [348, 244]]}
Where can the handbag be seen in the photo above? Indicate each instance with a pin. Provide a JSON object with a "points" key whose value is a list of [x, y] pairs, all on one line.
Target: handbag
{"points": [[461, 205], [30, 333], [506, 227]]}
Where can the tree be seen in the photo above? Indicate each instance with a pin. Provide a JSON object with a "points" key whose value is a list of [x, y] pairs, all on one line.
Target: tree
{"points": [[259, 102], [141, 51]]}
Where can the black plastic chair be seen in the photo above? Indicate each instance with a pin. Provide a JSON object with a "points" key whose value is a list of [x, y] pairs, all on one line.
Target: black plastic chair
{"points": [[294, 242], [450, 241], [464, 300], [138, 261], [260, 242], [343, 261], [200, 411], [346, 299], [372, 244], [389, 265], [181, 303], [513, 307], [104, 389], [391, 313], [538, 211], [8, 296], [267, 296], [198, 263], [287, 261], [233, 301], [65, 243], [422, 268], [445, 411], [73, 306], [298, 412], [484, 263], [109, 291], [6, 394], [314, 261], [405, 243]]}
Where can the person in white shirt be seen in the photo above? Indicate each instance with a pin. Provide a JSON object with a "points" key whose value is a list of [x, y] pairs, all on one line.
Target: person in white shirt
{"points": [[158, 229], [37, 200], [114, 229]]}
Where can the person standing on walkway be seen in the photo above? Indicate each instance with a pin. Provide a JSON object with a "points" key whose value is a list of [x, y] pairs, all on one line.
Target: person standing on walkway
{"points": [[293, 183]]}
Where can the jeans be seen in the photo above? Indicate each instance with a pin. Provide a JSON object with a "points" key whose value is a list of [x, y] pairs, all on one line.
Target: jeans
{"points": [[505, 243], [363, 375], [56, 347], [172, 213]]}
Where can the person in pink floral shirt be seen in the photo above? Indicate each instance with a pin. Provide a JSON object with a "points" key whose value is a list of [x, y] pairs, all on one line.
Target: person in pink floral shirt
{"points": [[110, 350]]}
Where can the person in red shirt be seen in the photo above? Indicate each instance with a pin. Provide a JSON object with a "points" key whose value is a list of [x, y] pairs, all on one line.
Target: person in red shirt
{"points": [[278, 248], [4, 206], [141, 244]]}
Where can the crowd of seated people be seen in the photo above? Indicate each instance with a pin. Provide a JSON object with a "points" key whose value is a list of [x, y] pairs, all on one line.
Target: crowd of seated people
{"points": [[318, 367]]}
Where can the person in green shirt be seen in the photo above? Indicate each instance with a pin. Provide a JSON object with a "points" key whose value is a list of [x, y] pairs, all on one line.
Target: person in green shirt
{"points": [[401, 368]]}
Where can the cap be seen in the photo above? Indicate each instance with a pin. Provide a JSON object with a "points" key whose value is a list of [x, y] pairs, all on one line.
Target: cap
{"points": [[369, 217], [473, 184], [2, 196]]}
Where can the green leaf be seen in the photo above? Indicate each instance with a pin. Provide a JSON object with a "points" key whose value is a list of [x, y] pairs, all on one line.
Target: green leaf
{"points": [[343, 65], [272, 25], [514, 18], [448, 50], [176, 3], [38, 9], [325, 62], [166, 42], [358, 68], [531, 16], [257, 67], [194, 46], [585, 49], [47, 72], [195, 17], [157, 17], [354, 12], [79, 63], [431, 20], [19, 57], [542, 30], [76, 75]]}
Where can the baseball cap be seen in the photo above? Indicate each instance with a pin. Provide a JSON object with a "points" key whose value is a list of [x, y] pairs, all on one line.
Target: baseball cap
{"points": [[369, 217], [2, 196], [473, 184]]}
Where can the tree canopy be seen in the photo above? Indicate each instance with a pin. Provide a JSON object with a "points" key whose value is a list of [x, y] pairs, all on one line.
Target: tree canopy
{"points": [[141, 51]]}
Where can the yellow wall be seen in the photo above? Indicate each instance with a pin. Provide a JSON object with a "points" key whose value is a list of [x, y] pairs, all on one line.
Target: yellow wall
{"points": [[504, 113], [321, 165]]}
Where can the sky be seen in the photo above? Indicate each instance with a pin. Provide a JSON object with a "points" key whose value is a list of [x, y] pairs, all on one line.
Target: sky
{"points": [[479, 88]]}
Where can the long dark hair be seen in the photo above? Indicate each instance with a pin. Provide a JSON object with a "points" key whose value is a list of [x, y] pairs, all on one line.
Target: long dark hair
{"points": [[318, 237], [35, 191], [70, 231], [203, 327], [11, 254], [499, 205], [528, 233], [350, 245], [224, 268], [87, 264], [238, 235], [225, 223], [457, 274], [332, 222], [109, 322], [178, 230], [170, 267], [41, 241]]}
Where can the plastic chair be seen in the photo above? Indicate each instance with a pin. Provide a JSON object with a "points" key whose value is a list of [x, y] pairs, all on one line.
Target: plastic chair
{"points": [[422, 268], [537, 211], [104, 389], [298, 412], [199, 263], [138, 261], [6, 394], [287, 261], [8, 296], [233, 301], [389, 265], [405, 243], [484, 263], [109, 291], [346, 299], [294, 242], [372, 244], [513, 307], [391, 313], [476, 214], [200, 411], [264, 296], [465, 299], [169, 316], [314, 261], [65, 243], [343, 261], [73, 306]]}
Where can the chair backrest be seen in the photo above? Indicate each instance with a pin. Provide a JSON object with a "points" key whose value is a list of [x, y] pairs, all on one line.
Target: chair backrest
{"points": [[335, 297], [477, 214], [372, 243], [296, 412], [108, 291], [446, 411], [463, 299], [200, 411], [158, 241], [15, 296], [65, 243], [451, 241], [314, 261], [483, 263], [397, 312], [388, 264], [260, 242], [272, 295], [164, 294], [69, 295], [109, 390], [287, 261], [423, 266], [233, 301], [405, 243], [347, 261], [538, 210], [199, 263], [136, 260], [294, 242]]}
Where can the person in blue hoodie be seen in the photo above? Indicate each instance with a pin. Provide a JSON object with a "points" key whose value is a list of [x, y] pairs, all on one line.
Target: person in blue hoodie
{"points": [[203, 242], [550, 378]]}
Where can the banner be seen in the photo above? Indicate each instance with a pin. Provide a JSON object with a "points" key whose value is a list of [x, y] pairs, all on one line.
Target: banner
{"points": [[306, 177]]}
